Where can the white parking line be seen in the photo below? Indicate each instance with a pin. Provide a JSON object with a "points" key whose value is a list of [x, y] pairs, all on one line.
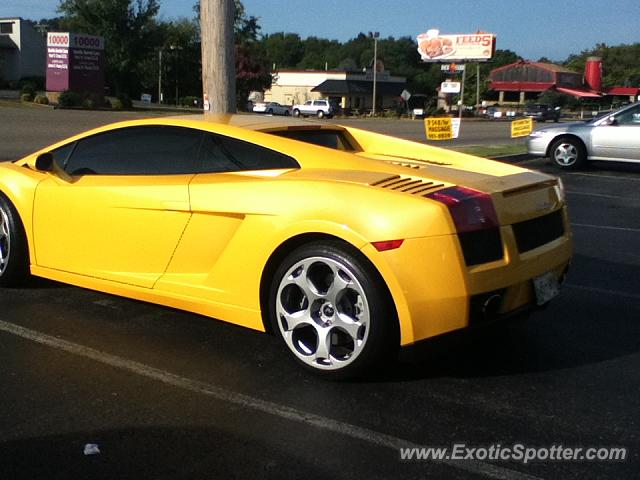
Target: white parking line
{"points": [[246, 401], [614, 177], [605, 227], [603, 291], [600, 195]]}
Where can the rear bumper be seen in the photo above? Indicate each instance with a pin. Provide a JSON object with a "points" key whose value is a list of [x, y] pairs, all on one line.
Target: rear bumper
{"points": [[435, 292]]}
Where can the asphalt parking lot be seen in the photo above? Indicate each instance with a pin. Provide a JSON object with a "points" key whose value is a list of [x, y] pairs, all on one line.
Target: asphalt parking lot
{"points": [[172, 395]]}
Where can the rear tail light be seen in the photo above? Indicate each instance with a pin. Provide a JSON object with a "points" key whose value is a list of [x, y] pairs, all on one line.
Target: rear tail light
{"points": [[471, 210]]}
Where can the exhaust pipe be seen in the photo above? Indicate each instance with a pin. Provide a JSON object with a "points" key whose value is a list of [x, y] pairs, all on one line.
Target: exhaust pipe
{"points": [[491, 305]]}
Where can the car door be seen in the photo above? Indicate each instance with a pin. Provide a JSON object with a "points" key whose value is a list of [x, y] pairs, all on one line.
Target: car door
{"points": [[307, 107], [119, 208], [207, 263], [618, 138]]}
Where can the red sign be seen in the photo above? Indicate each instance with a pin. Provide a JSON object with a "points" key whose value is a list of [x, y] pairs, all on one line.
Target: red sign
{"points": [[434, 47]]}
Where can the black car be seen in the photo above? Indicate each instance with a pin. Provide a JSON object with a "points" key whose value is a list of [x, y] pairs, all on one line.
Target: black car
{"points": [[542, 113]]}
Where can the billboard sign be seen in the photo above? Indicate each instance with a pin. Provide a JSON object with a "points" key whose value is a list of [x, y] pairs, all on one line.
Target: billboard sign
{"points": [[450, 87], [75, 62], [434, 47]]}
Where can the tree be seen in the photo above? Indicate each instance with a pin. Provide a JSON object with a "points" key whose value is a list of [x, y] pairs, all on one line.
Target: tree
{"points": [[129, 29]]}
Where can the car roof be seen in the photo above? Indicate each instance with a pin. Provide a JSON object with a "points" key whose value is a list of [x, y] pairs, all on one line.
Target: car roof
{"points": [[256, 122]]}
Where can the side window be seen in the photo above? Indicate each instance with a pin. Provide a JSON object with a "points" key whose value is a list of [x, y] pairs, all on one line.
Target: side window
{"points": [[629, 117], [225, 154], [61, 154], [308, 102], [144, 150]]}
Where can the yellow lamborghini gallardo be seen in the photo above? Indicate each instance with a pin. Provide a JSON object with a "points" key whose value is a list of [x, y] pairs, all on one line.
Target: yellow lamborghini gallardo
{"points": [[344, 243]]}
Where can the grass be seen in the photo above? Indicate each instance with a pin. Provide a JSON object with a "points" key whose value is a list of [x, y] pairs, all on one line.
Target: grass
{"points": [[492, 150], [18, 104]]}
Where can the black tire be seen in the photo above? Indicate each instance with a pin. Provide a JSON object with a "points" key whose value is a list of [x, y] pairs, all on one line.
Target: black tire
{"points": [[286, 113], [361, 297], [320, 114], [568, 153], [14, 251], [270, 111], [296, 113]]}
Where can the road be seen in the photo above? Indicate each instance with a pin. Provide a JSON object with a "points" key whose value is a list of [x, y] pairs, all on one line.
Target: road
{"points": [[34, 128], [172, 395]]}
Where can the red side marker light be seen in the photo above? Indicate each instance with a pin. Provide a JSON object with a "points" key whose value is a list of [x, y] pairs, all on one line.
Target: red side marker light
{"points": [[387, 245]]}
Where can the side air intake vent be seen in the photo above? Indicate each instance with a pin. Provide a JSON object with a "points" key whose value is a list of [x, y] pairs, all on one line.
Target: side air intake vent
{"points": [[408, 185]]}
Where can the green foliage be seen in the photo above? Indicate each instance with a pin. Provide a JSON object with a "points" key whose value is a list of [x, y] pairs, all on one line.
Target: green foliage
{"points": [[28, 89], [620, 65], [116, 104], [41, 100], [129, 28], [70, 99], [189, 101], [26, 97]]}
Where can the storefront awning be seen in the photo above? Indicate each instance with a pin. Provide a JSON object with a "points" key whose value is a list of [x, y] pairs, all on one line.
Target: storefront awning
{"points": [[358, 87], [578, 92]]}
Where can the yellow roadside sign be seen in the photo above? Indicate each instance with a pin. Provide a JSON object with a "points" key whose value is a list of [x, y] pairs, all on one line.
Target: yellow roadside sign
{"points": [[521, 128], [438, 128]]}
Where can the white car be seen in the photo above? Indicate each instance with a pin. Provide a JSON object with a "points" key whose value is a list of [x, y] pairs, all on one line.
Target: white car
{"points": [[271, 108], [319, 108]]}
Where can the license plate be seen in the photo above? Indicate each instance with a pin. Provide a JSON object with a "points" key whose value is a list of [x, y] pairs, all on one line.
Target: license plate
{"points": [[546, 287]]}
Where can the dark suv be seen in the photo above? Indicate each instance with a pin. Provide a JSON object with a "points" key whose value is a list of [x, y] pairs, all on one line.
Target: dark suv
{"points": [[542, 113]]}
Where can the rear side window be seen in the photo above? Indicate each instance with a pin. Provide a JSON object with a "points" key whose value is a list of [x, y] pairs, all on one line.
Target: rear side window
{"points": [[225, 154], [144, 150], [336, 139]]}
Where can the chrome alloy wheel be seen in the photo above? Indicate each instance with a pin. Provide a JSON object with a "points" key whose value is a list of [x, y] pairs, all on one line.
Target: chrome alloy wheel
{"points": [[5, 240], [322, 313], [565, 154]]}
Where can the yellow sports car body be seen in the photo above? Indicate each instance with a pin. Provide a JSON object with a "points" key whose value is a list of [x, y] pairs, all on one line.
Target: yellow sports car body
{"points": [[344, 243]]}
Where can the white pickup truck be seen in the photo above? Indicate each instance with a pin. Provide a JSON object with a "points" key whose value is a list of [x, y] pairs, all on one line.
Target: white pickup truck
{"points": [[319, 108]]}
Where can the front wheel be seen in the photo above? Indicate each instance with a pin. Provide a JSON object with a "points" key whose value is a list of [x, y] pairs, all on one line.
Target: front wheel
{"points": [[332, 311], [14, 254], [568, 154], [320, 114], [296, 113]]}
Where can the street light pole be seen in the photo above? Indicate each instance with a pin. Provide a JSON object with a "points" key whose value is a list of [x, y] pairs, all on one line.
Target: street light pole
{"points": [[375, 36], [160, 76]]}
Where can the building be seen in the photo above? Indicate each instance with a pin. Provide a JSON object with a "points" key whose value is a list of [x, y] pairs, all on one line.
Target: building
{"points": [[523, 81], [22, 50], [351, 90]]}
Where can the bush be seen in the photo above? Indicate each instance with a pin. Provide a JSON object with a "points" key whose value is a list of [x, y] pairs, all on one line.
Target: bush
{"points": [[41, 100], [125, 100], [26, 97], [28, 89], [116, 104], [189, 101], [70, 99]]}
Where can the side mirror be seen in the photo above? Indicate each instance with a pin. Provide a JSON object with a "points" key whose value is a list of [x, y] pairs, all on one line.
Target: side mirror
{"points": [[44, 162], [612, 120]]}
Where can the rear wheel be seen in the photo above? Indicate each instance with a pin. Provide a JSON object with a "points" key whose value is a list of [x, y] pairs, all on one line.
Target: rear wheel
{"points": [[270, 111], [332, 311], [296, 113], [14, 253], [568, 154], [286, 113]]}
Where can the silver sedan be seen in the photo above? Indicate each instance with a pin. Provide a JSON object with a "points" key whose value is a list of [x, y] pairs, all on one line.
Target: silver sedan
{"points": [[614, 137]]}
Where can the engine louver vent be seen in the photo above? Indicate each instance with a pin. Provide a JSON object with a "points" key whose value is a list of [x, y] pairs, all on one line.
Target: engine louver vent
{"points": [[409, 185]]}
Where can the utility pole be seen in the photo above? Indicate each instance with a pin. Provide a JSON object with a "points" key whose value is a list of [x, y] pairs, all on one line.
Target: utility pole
{"points": [[375, 36], [218, 55]]}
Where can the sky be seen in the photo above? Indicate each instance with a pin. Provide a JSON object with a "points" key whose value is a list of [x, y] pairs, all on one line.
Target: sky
{"points": [[531, 28]]}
